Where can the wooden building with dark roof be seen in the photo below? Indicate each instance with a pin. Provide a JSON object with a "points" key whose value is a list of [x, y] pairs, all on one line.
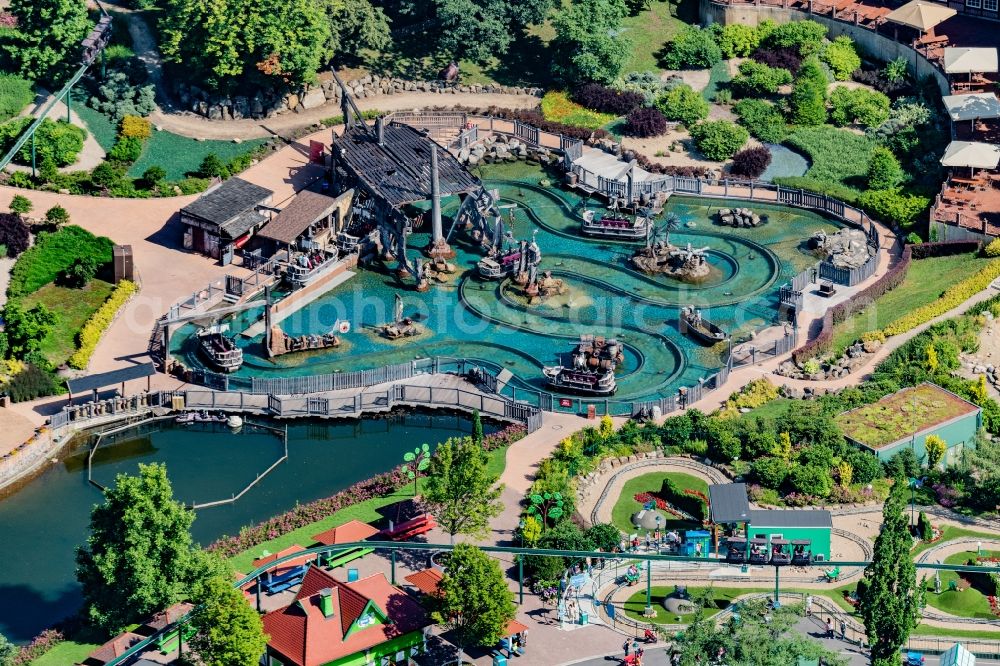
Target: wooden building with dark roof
{"points": [[225, 217], [311, 220]]}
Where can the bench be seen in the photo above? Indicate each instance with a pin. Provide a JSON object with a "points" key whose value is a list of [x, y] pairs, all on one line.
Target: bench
{"points": [[289, 579], [343, 557], [414, 527]]}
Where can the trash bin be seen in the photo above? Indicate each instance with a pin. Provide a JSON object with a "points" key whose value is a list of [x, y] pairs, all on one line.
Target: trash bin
{"points": [[499, 659], [584, 618]]}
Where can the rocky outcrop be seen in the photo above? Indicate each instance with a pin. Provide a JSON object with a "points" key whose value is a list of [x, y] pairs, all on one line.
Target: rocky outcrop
{"points": [[847, 248], [267, 104], [740, 217], [500, 148]]}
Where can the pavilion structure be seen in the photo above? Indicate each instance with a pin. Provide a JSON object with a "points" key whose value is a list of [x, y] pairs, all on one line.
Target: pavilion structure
{"points": [[392, 165]]}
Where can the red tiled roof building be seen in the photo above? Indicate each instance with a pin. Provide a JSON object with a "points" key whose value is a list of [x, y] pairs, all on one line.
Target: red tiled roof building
{"points": [[331, 623]]}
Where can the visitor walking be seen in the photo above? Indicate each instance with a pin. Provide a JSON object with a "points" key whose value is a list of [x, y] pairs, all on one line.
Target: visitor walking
{"points": [[626, 646], [809, 605], [829, 628], [843, 630]]}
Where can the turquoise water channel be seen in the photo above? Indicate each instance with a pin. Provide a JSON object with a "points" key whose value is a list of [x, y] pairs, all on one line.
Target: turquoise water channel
{"points": [[489, 322], [43, 523]]}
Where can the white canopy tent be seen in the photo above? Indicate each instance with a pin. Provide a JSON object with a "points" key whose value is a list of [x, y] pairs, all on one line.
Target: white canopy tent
{"points": [[957, 655], [972, 107], [972, 154], [970, 60]]}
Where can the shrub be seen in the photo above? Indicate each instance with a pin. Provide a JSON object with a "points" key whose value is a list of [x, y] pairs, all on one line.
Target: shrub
{"points": [[952, 297], [647, 84], [645, 122], [762, 119], [993, 249], [212, 167], [608, 100], [126, 150], [193, 185], [751, 162], [15, 94], [118, 97], [770, 472], [557, 107], [838, 158], [688, 501], [30, 383], [842, 57], [683, 104], [737, 40], [79, 273], [53, 253], [135, 127], [780, 58], [804, 36], [99, 322], [107, 174], [14, 234], [895, 71], [924, 528], [55, 141], [21, 204], [153, 176], [893, 206], [884, 172], [807, 103], [691, 48], [759, 79], [811, 480], [719, 139], [867, 107], [57, 216]]}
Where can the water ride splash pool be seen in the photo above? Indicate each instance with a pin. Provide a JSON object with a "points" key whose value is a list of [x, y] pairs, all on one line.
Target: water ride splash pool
{"points": [[485, 321]]}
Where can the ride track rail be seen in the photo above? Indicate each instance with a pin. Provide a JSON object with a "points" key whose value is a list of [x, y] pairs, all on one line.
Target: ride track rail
{"points": [[393, 547]]}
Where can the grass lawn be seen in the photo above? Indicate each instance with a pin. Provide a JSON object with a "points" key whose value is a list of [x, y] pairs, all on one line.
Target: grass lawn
{"points": [[67, 652], [178, 155], [74, 307], [947, 632], [636, 604], [836, 156], [970, 602], [621, 513], [925, 281], [649, 31], [366, 512], [951, 532], [773, 409]]}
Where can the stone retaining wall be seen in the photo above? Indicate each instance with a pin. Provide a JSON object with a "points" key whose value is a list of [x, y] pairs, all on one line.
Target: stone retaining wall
{"points": [[325, 92]]}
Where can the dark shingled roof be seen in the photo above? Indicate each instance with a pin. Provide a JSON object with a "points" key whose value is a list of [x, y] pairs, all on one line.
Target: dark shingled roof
{"points": [[400, 170], [242, 224], [111, 378], [229, 200], [790, 518], [729, 503], [295, 218]]}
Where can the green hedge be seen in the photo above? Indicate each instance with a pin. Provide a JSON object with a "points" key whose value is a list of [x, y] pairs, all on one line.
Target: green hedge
{"points": [[99, 322], [52, 254]]}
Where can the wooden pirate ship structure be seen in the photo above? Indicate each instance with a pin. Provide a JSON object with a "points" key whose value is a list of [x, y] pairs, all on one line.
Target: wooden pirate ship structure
{"points": [[694, 325], [591, 370], [616, 224]]}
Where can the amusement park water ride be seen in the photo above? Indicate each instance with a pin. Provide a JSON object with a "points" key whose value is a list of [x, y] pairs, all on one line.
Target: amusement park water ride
{"points": [[510, 258], [400, 327], [659, 257], [218, 349], [282, 343], [617, 224], [693, 324], [591, 370]]}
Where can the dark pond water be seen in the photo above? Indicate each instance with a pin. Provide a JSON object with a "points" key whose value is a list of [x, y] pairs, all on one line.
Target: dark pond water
{"points": [[41, 525]]}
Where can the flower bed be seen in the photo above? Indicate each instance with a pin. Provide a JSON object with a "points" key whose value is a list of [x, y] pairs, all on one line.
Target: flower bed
{"points": [[39, 645], [305, 514]]}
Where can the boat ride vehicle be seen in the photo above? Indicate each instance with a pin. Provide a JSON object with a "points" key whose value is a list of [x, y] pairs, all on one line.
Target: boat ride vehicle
{"points": [[591, 370], [693, 324], [219, 350]]}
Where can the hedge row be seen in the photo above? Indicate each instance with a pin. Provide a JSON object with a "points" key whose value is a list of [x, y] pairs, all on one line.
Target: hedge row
{"points": [[99, 322], [892, 279], [953, 297], [684, 501]]}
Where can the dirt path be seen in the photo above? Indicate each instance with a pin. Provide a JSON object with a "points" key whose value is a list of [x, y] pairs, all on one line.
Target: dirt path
{"points": [[144, 46]]}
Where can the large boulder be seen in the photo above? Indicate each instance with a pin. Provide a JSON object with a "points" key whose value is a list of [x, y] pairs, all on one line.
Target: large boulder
{"points": [[313, 99], [847, 248]]}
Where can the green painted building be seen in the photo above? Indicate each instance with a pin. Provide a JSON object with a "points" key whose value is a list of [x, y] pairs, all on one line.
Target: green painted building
{"points": [[779, 536], [368, 622], [905, 419]]}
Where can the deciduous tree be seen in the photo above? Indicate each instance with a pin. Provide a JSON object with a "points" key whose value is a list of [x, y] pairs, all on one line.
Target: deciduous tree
{"points": [[7, 651], [26, 328], [136, 560], [47, 35], [356, 25], [463, 495], [936, 448], [476, 603], [890, 602], [229, 630], [589, 45]]}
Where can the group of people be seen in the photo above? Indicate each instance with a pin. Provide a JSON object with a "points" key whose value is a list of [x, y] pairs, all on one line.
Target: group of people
{"points": [[656, 540], [632, 647]]}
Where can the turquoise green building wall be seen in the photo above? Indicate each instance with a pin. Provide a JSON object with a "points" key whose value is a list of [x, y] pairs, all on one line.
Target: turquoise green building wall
{"points": [[958, 434], [819, 536]]}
